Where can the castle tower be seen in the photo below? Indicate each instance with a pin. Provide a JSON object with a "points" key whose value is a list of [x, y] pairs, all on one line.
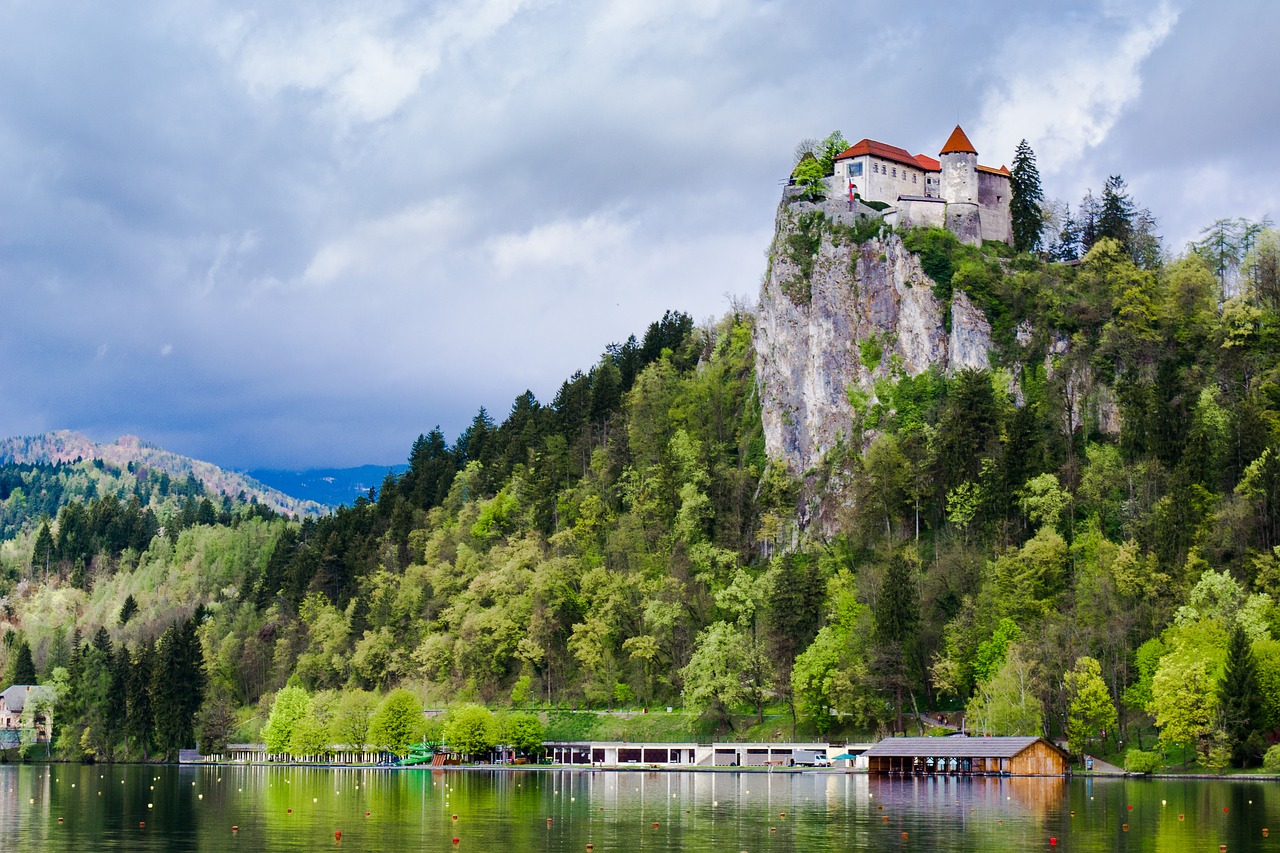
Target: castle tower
{"points": [[960, 186]]}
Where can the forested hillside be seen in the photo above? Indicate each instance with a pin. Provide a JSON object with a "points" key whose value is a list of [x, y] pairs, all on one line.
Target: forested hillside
{"points": [[983, 544], [130, 453]]}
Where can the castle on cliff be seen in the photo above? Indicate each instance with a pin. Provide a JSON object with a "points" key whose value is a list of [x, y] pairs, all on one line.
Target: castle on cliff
{"points": [[952, 191]]}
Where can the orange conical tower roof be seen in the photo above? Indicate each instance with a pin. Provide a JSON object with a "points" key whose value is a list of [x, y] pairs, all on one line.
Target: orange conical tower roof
{"points": [[958, 143]]}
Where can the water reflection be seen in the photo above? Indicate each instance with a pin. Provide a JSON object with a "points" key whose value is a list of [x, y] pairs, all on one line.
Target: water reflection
{"points": [[298, 808]]}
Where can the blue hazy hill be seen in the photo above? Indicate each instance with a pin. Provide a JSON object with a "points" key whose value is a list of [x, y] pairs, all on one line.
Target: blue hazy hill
{"points": [[329, 486]]}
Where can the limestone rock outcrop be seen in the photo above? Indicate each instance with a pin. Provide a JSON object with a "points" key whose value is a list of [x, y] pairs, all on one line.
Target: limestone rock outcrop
{"points": [[835, 316]]}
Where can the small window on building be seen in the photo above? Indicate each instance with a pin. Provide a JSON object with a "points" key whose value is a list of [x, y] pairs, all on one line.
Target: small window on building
{"points": [[895, 171], [913, 179]]}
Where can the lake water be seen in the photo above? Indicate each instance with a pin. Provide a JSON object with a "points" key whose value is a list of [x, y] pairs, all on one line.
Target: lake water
{"points": [[297, 808]]}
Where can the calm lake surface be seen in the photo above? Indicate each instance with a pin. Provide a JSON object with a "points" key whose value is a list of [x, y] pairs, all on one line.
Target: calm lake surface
{"points": [[295, 808]]}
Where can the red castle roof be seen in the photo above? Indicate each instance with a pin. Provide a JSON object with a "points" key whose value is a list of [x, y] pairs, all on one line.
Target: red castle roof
{"points": [[924, 161], [879, 149], [958, 143]]}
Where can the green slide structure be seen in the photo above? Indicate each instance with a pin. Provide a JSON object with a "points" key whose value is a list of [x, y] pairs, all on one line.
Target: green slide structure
{"points": [[419, 753]]}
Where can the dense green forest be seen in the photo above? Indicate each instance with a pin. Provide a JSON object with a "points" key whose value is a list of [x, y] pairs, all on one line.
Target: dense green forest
{"points": [[1084, 539]]}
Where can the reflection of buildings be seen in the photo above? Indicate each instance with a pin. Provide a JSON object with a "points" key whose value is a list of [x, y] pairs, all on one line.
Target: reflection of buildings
{"points": [[26, 714]]}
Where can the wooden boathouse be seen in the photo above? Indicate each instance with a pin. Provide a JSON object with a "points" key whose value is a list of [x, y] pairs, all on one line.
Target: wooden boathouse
{"points": [[977, 756]]}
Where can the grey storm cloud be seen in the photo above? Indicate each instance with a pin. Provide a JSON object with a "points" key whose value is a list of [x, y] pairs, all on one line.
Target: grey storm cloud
{"points": [[301, 234]]}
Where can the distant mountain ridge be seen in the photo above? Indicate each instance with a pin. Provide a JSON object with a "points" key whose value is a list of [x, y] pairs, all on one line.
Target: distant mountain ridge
{"points": [[67, 446], [328, 486]]}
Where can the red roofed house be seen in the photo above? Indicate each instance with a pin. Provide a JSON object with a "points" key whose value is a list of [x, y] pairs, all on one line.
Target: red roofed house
{"points": [[952, 191]]}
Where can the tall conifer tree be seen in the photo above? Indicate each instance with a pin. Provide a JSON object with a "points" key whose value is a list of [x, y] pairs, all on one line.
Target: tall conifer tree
{"points": [[1240, 700], [1026, 204], [24, 668], [1115, 220]]}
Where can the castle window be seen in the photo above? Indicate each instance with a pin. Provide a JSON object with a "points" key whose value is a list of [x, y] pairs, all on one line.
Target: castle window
{"points": [[913, 179], [895, 171]]}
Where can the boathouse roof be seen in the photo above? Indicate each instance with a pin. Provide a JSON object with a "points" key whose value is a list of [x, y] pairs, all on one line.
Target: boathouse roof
{"points": [[953, 747]]}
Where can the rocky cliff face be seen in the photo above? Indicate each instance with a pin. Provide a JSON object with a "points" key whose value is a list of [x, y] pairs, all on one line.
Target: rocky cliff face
{"points": [[837, 315]]}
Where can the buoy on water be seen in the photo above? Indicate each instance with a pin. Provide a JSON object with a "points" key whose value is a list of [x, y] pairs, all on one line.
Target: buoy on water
{"points": [[1182, 817], [142, 824], [1053, 842], [455, 839], [235, 829], [1125, 827], [337, 835]]}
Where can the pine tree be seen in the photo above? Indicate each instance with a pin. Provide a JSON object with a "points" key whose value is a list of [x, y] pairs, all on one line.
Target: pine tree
{"points": [[1087, 215], [24, 668], [1115, 219], [42, 553], [1067, 245], [1026, 203], [128, 609], [1240, 700], [166, 692], [139, 720], [897, 615]]}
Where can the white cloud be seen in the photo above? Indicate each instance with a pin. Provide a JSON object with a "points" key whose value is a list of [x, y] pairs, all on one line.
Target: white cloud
{"points": [[584, 244], [365, 64], [1064, 84], [400, 245]]}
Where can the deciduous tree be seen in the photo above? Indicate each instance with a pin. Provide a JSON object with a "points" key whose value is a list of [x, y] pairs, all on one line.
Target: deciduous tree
{"points": [[1090, 711]]}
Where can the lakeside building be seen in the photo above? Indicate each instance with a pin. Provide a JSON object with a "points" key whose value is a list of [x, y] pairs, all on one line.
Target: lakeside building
{"points": [[1002, 756], [26, 715], [620, 754]]}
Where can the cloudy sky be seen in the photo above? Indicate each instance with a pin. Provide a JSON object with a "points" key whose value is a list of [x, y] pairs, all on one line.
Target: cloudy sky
{"points": [[300, 234]]}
